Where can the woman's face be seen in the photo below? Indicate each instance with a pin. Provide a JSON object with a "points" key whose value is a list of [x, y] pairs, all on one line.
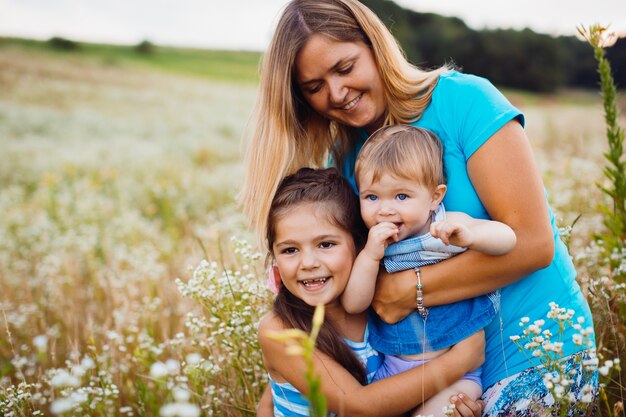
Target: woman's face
{"points": [[341, 82]]}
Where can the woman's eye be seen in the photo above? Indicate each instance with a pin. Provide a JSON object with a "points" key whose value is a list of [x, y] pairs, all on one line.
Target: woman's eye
{"points": [[371, 197], [345, 70], [402, 197], [326, 245], [313, 90]]}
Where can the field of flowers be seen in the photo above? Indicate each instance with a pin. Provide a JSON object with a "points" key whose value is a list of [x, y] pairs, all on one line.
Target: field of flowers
{"points": [[127, 283]]}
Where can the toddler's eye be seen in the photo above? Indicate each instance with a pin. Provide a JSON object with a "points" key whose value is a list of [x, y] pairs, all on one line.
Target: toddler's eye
{"points": [[371, 197], [402, 197]]}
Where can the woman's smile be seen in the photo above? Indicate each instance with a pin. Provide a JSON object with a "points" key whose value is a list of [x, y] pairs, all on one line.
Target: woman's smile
{"points": [[340, 81]]}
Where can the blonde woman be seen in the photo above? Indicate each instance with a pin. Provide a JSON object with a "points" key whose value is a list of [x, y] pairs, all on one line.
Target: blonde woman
{"points": [[334, 74]]}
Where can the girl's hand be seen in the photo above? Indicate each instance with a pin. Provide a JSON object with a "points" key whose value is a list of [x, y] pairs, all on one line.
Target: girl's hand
{"points": [[378, 238], [452, 233], [466, 407]]}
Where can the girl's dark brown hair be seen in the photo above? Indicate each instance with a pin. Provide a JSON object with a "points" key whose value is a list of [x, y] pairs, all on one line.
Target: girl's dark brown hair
{"points": [[328, 189]]}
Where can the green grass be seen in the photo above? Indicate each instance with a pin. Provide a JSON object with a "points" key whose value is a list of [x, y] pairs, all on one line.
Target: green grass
{"points": [[235, 66]]}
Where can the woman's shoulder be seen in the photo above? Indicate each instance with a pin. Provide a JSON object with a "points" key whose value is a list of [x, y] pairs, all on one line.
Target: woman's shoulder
{"points": [[454, 80]]}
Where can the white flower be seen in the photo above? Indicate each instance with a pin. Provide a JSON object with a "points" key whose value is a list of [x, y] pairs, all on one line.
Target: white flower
{"points": [[577, 339], [158, 370], [87, 363], [180, 410], [193, 359], [181, 394], [537, 353], [559, 391], [524, 320], [604, 371], [581, 320], [61, 406], [586, 398], [172, 366], [514, 338], [608, 364], [41, 342], [62, 378]]}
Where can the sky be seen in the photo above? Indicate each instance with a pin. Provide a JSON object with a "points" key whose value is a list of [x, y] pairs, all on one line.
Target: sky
{"points": [[248, 24]]}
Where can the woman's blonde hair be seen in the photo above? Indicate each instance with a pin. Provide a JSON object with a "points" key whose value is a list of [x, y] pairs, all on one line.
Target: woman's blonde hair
{"points": [[404, 152], [286, 134]]}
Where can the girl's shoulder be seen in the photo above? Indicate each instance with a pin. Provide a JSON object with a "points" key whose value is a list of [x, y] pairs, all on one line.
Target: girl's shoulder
{"points": [[270, 322]]}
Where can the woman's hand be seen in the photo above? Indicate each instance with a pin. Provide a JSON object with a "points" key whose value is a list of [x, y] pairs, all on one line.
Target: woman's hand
{"points": [[394, 298]]}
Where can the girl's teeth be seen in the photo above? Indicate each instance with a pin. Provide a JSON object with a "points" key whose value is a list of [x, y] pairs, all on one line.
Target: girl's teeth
{"points": [[309, 282]]}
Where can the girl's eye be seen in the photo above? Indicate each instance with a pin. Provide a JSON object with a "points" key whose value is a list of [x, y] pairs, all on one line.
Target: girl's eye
{"points": [[326, 245], [371, 197], [402, 197], [289, 251], [346, 70]]}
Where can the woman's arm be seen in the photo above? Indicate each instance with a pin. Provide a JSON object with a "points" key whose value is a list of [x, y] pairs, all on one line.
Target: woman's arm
{"points": [[506, 178], [388, 397]]}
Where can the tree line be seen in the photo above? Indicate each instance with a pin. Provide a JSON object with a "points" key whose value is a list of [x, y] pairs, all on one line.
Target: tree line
{"points": [[518, 59]]}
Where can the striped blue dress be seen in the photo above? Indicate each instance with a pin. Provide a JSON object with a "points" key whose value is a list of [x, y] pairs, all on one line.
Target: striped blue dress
{"points": [[289, 402]]}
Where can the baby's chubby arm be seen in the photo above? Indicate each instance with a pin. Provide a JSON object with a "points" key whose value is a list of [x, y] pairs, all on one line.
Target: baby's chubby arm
{"points": [[487, 236], [359, 291]]}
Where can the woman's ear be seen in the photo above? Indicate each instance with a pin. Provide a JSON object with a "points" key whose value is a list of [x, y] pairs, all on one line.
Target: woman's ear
{"points": [[437, 196]]}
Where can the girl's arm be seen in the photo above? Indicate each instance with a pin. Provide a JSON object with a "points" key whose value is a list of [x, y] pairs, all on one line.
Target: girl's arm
{"points": [[507, 180], [265, 407], [388, 397], [487, 236], [359, 291]]}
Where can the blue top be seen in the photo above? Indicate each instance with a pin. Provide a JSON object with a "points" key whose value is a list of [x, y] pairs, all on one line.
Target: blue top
{"points": [[445, 325], [465, 111], [289, 402]]}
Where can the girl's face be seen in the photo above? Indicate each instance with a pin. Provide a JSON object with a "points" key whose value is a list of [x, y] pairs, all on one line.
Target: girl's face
{"points": [[341, 82], [314, 256]]}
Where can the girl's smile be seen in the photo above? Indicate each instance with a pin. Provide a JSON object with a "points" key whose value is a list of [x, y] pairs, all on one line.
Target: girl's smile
{"points": [[313, 255]]}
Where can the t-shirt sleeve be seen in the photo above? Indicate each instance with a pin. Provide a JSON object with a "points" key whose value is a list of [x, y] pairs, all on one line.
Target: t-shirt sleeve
{"points": [[476, 111]]}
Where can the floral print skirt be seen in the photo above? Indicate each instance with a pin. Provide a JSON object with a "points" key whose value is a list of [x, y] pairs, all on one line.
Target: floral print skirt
{"points": [[540, 392]]}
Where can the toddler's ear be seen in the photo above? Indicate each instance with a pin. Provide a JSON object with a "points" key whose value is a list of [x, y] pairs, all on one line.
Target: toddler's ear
{"points": [[274, 281], [438, 195]]}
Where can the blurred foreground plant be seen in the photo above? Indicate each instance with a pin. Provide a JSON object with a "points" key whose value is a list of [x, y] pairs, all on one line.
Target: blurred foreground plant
{"points": [[301, 344], [606, 257]]}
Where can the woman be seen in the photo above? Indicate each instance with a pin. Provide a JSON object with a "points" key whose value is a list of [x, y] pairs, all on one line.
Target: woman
{"points": [[333, 74]]}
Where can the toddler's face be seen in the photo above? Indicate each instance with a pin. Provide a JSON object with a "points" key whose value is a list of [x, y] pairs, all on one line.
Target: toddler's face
{"points": [[403, 202]]}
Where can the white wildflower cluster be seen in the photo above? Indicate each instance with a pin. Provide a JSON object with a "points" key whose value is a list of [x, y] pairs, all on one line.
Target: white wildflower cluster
{"points": [[549, 352]]}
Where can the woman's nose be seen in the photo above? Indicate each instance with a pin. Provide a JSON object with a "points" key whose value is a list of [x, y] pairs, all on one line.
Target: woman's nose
{"points": [[338, 92]]}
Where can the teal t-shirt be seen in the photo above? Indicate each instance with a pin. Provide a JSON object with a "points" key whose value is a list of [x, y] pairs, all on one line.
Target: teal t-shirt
{"points": [[465, 112]]}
